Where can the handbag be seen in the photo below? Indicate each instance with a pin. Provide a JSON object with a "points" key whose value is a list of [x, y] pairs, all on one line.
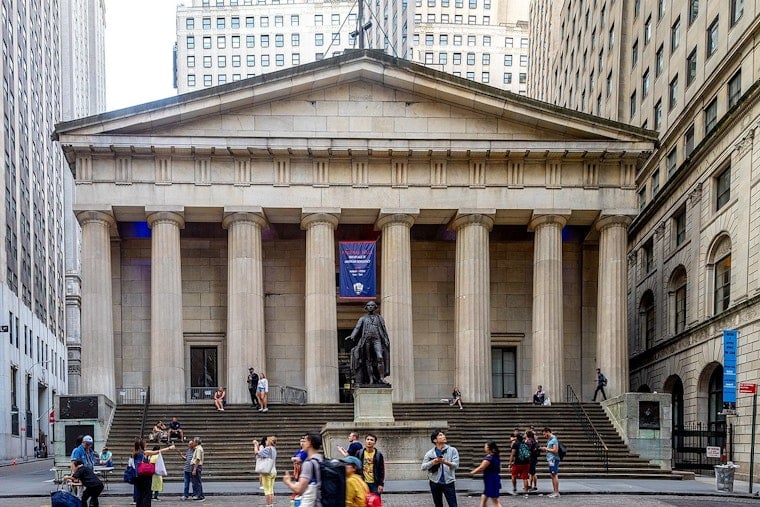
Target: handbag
{"points": [[264, 465], [64, 499], [146, 469], [161, 466], [130, 473]]}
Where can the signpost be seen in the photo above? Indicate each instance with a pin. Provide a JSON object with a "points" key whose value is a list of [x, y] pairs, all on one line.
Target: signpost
{"points": [[748, 388]]}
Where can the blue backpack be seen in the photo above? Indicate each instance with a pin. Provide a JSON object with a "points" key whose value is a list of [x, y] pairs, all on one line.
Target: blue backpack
{"points": [[130, 474]]}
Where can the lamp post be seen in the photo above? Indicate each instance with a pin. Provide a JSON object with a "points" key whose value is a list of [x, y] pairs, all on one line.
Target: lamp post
{"points": [[28, 407]]}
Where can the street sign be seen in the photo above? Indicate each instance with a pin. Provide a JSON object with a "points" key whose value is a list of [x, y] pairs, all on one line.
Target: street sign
{"points": [[747, 388], [713, 452]]}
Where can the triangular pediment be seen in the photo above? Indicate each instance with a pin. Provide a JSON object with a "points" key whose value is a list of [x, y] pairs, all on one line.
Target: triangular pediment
{"points": [[362, 94]]}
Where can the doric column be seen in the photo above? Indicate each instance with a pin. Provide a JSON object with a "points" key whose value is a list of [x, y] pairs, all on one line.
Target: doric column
{"points": [[548, 353], [245, 301], [472, 305], [321, 321], [396, 285], [97, 352], [167, 354], [611, 323]]}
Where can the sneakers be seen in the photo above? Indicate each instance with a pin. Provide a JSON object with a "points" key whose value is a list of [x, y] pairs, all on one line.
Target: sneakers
{"points": [[554, 495], [200, 499], [534, 489], [260, 409], [265, 410], [183, 498]]}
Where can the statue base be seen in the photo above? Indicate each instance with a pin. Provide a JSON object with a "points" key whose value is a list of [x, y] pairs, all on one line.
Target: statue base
{"points": [[373, 403]]}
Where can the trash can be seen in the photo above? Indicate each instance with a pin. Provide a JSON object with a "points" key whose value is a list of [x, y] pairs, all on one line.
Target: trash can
{"points": [[724, 477]]}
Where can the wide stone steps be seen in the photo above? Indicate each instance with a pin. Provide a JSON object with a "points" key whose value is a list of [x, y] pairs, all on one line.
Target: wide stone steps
{"points": [[227, 435]]}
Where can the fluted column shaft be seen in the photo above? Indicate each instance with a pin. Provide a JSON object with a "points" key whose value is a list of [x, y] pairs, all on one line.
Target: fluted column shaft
{"points": [[97, 353], [321, 333], [472, 307], [548, 353], [245, 302], [167, 355], [611, 326], [396, 283]]}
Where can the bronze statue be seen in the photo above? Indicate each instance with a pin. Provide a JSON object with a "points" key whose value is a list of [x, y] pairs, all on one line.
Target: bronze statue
{"points": [[370, 357]]}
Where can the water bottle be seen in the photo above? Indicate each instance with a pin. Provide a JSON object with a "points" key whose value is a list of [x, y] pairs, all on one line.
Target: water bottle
{"points": [[297, 501]]}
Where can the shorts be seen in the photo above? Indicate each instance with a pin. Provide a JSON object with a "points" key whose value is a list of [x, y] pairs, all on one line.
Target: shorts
{"points": [[520, 471], [261, 389], [533, 464], [553, 466]]}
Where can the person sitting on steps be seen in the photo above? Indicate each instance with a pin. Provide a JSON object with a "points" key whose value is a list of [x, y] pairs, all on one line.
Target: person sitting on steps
{"points": [[539, 397], [456, 398], [219, 400]]}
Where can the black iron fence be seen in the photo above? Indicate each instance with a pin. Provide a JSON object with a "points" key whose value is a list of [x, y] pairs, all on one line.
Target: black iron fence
{"points": [[589, 430], [690, 443]]}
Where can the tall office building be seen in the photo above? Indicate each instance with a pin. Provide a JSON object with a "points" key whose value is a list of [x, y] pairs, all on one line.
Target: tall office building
{"points": [[227, 40], [32, 295], [685, 69]]}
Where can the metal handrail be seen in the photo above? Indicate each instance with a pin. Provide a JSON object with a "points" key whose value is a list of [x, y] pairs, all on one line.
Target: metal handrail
{"points": [[599, 446], [145, 413]]}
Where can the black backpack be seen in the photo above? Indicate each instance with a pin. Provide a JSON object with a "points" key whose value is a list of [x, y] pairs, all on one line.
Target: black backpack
{"points": [[332, 483], [561, 450]]}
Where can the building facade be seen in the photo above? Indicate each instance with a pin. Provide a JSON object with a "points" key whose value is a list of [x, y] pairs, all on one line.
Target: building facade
{"points": [[686, 70], [33, 350], [229, 40], [210, 224]]}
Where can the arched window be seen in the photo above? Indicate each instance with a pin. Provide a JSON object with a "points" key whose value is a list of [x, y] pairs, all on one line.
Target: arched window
{"points": [[715, 421], [646, 319], [722, 291], [677, 291]]}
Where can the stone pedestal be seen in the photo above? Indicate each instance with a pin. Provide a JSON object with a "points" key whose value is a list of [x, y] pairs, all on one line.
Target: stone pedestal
{"points": [[373, 404]]}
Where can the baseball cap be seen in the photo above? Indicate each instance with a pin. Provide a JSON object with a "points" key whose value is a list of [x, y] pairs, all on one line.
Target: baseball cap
{"points": [[352, 460], [87, 439]]}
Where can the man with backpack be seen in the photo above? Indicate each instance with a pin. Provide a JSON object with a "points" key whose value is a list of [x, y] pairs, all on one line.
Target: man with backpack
{"points": [[552, 450], [321, 483], [519, 463], [373, 465], [601, 383]]}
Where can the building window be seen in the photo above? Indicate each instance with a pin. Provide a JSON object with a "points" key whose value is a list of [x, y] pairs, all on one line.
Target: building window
{"points": [[659, 61], [457, 19], [722, 293], [734, 89], [679, 227], [660, 9], [207, 23], [249, 22], [250, 41], [319, 39], [279, 60], [612, 37], [486, 59], [486, 77], [693, 10], [220, 23], [264, 40], [336, 38], [648, 30], [278, 21], [658, 115], [318, 20], [647, 320], [236, 60], [675, 35], [471, 75], [221, 79], [279, 40], [295, 58], [655, 182], [236, 42], [636, 8], [645, 84], [712, 38], [504, 372], [507, 60], [678, 286], [250, 60], [429, 39], [673, 93], [235, 22], [487, 40], [264, 22], [635, 53], [429, 58], [507, 78], [207, 43], [221, 61], [691, 67], [647, 256], [207, 62], [265, 60], [523, 60], [642, 198], [191, 80], [191, 61], [190, 23], [190, 42], [207, 80], [688, 141], [672, 162], [711, 115], [509, 42], [634, 104], [470, 58], [295, 20], [221, 42], [523, 78], [723, 188], [457, 40], [443, 40], [737, 9], [457, 58], [443, 58], [609, 84]]}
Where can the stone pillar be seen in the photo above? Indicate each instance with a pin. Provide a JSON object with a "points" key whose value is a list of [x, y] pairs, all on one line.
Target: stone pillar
{"points": [[396, 286], [97, 352], [548, 353], [611, 323], [246, 344], [167, 347], [472, 305], [321, 320]]}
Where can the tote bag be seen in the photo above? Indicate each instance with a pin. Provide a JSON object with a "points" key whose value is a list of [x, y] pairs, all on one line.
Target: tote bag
{"points": [[161, 467], [146, 469], [264, 465]]}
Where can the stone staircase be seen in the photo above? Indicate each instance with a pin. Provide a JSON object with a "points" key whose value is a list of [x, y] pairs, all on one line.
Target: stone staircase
{"points": [[227, 435]]}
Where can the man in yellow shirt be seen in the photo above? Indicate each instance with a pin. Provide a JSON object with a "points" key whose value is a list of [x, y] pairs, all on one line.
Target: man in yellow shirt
{"points": [[356, 488], [373, 465]]}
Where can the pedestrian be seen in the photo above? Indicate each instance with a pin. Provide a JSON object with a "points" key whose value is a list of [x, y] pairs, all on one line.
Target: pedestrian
{"points": [[85, 476], [297, 459], [539, 397], [144, 482], [356, 488], [253, 383], [530, 439], [187, 470], [519, 463], [307, 485], [262, 390], [441, 463], [157, 484], [268, 451], [373, 465], [552, 459], [490, 466], [354, 446], [601, 383], [197, 470], [84, 452]]}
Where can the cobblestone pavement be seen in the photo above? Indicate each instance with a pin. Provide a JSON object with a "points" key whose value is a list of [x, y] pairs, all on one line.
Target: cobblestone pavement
{"points": [[423, 500]]}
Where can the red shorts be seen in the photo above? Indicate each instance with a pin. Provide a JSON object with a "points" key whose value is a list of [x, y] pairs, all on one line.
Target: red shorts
{"points": [[520, 471]]}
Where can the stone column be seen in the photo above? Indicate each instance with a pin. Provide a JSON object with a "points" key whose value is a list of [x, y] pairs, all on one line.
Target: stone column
{"points": [[245, 301], [472, 305], [167, 347], [321, 320], [611, 323], [97, 351], [396, 307], [548, 353]]}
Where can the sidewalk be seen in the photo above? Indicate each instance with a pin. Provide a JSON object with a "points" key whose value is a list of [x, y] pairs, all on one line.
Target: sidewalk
{"points": [[34, 479]]}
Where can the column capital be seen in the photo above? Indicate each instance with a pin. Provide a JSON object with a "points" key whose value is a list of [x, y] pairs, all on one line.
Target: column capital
{"points": [[104, 216], [473, 216], [257, 218], [543, 217], [311, 216], [402, 216], [165, 216], [605, 221]]}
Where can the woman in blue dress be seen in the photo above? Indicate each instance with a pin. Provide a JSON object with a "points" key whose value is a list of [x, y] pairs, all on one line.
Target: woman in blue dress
{"points": [[491, 467]]}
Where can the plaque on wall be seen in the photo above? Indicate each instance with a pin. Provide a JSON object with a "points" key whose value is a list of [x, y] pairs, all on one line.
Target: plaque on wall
{"points": [[649, 415], [79, 407]]}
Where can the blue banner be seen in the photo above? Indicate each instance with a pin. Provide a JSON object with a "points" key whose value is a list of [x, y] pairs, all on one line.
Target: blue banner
{"points": [[357, 269], [730, 337]]}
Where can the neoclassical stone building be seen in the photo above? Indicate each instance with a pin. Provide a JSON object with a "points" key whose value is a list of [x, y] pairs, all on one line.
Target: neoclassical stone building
{"points": [[210, 222]]}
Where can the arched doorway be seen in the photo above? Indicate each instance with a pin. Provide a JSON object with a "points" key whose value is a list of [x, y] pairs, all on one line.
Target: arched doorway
{"points": [[715, 421]]}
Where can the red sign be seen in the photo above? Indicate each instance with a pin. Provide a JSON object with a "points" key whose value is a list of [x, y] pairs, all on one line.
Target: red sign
{"points": [[51, 417], [747, 388]]}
